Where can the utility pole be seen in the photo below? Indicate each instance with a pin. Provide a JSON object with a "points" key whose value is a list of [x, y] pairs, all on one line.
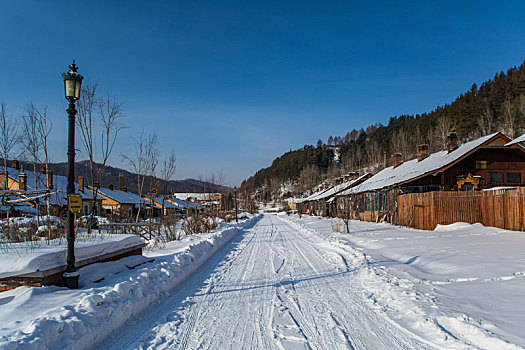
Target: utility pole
{"points": [[235, 200]]}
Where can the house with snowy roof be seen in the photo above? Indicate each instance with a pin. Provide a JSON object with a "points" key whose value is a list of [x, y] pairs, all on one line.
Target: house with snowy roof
{"points": [[323, 202], [167, 205], [27, 180], [120, 203], [479, 164], [204, 199]]}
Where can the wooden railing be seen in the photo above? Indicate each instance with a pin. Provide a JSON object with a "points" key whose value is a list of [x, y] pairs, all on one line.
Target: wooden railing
{"points": [[142, 229]]}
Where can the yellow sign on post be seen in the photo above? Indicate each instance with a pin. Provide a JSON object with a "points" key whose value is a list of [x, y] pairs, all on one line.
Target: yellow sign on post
{"points": [[75, 203]]}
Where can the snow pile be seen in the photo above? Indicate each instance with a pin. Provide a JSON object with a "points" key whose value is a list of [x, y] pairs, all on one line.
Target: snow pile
{"points": [[21, 258], [459, 285], [94, 311]]}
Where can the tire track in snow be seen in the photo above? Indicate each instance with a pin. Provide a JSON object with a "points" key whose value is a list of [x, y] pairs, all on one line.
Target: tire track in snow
{"points": [[312, 257], [278, 288]]}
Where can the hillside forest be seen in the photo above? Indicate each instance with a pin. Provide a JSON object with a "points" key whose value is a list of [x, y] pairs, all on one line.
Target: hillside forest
{"points": [[498, 104]]}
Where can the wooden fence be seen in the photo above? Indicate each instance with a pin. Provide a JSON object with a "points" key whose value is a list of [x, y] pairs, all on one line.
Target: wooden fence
{"points": [[498, 208]]}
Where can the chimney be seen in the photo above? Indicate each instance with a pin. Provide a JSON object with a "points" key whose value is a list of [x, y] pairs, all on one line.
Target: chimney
{"points": [[121, 181], [81, 183], [452, 142], [110, 187], [22, 181], [422, 152], [398, 159], [49, 179], [15, 164], [355, 175]]}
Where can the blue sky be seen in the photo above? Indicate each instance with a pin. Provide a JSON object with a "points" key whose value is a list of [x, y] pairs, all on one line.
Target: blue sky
{"points": [[230, 85]]}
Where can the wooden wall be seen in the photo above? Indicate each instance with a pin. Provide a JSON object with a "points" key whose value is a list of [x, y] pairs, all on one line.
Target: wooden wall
{"points": [[498, 208]]}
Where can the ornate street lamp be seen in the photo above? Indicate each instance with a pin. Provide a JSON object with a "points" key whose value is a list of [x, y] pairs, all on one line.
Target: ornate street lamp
{"points": [[72, 84]]}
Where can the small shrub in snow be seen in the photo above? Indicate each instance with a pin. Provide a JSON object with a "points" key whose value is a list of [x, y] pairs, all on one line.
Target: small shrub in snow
{"points": [[199, 223]]}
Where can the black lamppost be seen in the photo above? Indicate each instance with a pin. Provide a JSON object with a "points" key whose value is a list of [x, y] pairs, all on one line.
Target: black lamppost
{"points": [[235, 200], [72, 83]]}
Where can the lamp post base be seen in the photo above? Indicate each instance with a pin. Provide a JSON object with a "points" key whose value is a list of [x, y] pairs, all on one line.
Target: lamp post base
{"points": [[71, 279]]}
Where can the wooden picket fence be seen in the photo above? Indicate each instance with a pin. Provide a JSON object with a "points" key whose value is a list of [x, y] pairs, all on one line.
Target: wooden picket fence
{"points": [[503, 208]]}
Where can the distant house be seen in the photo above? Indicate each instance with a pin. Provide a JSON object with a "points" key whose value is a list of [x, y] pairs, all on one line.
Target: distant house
{"points": [[120, 203], [322, 202], [19, 179], [207, 200], [163, 205]]}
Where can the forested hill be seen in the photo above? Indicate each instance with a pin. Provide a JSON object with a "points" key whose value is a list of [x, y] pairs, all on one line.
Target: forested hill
{"points": [[496, 105]]}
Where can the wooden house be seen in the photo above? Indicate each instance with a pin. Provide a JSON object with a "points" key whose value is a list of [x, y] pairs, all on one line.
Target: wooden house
{"points": [[479, 164], [207, 200], [18, 179], [323, 202], [120, 203]]}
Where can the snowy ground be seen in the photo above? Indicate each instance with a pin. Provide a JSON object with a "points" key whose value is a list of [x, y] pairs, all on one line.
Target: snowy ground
{"points": [[109, 295], [280, 282], [468, 280]]}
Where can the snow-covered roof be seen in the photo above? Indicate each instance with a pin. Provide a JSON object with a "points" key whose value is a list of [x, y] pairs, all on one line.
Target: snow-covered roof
{"points": [[59, 185], [312, 196], [516, 140], [326, 193], [413, 169], [198, 196], [168, 202], [341, 187], [183, 204], [122, 197]]}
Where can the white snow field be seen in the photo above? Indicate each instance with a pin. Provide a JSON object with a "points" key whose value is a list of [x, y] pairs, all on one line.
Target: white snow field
{"points": [[284, 282]]}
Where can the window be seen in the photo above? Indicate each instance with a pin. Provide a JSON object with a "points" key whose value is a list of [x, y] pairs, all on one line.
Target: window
{"points": [[496, 178], [481, 164], [514, 177]]}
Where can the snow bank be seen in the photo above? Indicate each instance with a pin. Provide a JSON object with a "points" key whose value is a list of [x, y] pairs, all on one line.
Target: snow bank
{"points": [[22, 258], [92, 313]]}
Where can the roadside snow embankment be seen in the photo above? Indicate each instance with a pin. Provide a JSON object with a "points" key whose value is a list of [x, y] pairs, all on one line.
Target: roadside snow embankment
{"points": [[97, 309], [459, 286], [22, 258]]}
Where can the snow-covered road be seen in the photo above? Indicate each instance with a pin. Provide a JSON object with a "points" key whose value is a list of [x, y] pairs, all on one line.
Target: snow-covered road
{"points": [[273, 286]]}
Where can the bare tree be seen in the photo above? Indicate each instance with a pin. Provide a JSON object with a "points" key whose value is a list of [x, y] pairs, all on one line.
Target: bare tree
{"points": [[9, 137], [308, 179], [520, 111], [374, 155], [509, 118], [143, 162], [44, 130], [167, 172], [400, 143], [486, 122], [31, 140], [98, 116], [32, 143], [443, 127]]}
